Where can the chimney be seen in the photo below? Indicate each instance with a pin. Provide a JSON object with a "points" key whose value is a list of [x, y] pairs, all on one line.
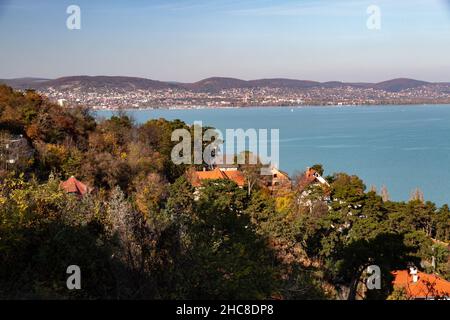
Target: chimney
{"points": [[414, 274]]}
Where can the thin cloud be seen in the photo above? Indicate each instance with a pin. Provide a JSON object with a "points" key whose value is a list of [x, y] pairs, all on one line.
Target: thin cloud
{"points": [[320, 8], [182, 5], [325, 8]]}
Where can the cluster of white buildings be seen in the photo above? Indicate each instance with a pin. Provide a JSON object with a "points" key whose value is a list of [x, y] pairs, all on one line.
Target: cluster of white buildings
{"points": [[105, 98]]}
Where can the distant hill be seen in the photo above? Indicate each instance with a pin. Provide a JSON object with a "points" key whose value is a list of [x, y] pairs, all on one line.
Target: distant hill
{"points": [[216, 84], [284, 83], [90, 82], [400, 84], [213, 84], [23, 83]]}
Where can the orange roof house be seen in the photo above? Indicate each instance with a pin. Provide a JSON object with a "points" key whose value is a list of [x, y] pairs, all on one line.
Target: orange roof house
{"points": [[196, 177], [236, 176], [279, 181], [73, 186], [309, 177], [419, 285]]}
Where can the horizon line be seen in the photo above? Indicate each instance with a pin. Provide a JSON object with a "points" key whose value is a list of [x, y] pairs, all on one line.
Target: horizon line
{"points": [[223, 77]]}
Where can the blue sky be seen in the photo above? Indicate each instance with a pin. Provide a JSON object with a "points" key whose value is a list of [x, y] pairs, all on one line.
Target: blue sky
{"points": [[189, 40]]}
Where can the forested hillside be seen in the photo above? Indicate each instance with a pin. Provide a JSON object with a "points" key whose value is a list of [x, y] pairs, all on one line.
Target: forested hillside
{"points": [[140, 233]]}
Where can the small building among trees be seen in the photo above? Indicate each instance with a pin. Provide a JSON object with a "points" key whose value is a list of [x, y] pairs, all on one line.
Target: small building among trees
{"points": [[197, 177], [73, 186], [279, 181], [416, 285]]}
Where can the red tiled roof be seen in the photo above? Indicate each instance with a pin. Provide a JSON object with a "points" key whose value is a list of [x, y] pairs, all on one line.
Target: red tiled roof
{"points": [[307, 178], [72, 185], [427, 285], [235, 175]]}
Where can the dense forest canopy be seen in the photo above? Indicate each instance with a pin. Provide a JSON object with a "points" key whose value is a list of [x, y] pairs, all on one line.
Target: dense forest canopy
{"points": [[142, 234]]}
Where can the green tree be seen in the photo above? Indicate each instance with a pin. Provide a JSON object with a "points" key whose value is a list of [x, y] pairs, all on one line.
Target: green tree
{"points": [[232, 260]]}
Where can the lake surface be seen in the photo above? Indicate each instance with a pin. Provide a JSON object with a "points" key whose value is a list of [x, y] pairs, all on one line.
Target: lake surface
{"points": [[402, 147]]}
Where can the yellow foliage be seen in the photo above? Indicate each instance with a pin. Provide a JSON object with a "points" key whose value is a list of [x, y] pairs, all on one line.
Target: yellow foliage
{"points": [[57, 150], [284, 203], [111, 140]]}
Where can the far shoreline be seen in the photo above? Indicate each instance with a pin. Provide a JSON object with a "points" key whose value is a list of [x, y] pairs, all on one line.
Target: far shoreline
{"points": [[179, 108]]}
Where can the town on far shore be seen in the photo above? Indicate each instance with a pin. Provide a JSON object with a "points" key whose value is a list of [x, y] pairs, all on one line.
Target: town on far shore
{"points": [[105, 92]]}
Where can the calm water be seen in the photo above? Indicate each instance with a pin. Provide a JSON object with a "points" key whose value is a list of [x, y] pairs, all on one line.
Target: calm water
{"points": [[402, 147]]}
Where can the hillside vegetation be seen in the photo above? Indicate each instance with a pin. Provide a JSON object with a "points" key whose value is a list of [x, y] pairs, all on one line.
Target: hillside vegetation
{"points": [[141, 234]]}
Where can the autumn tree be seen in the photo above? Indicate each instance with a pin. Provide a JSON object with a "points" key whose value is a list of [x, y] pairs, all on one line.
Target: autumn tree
{"points": [[236, 261]]}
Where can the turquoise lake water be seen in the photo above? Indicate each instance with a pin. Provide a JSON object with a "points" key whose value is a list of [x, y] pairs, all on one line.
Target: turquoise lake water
{"points": [[402, 147]]}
